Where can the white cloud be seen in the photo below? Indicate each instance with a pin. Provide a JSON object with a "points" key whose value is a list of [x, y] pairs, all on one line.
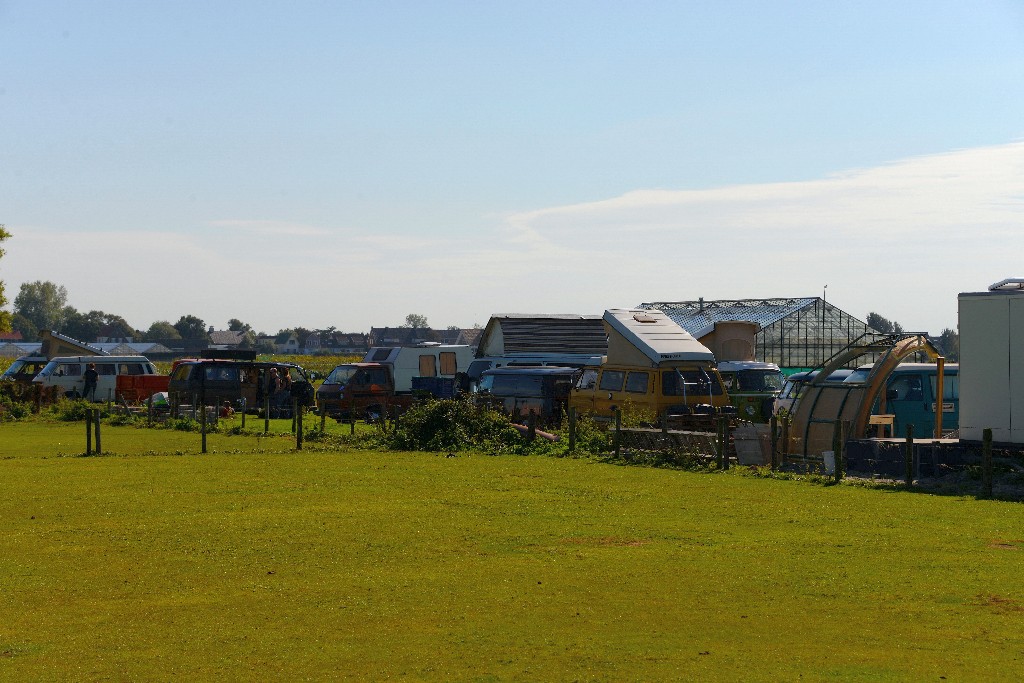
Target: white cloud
{"points": [[901, 239]]}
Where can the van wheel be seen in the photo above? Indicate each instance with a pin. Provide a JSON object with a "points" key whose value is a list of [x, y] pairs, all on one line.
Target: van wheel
{"points": [[72, 394]]}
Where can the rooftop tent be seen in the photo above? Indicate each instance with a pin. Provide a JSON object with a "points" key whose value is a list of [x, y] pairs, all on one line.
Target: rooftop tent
{"points": [[649, 337]]}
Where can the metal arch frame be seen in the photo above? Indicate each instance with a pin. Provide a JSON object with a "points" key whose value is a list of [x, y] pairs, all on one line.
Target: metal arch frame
{"points": [[894, 348]]}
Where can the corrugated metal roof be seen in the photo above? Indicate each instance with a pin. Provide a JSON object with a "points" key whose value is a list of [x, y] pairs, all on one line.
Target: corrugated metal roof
{"points": [[558, 333], [699, 317]]}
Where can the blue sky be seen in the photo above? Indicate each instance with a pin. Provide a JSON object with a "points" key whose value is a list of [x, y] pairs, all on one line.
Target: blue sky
{"points": [[341, 163]]}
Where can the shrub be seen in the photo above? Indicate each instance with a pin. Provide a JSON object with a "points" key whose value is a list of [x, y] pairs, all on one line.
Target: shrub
{"points": [[11, 409], [71, 410], [453, 425]]}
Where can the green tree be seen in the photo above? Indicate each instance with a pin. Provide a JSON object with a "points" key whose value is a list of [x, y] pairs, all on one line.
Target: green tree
{"points": [[5, 316], [236, 325], [883, 325], [43, 303], [161, 329], [191, 327], [948, 344], [20, 323], [415, 321]]}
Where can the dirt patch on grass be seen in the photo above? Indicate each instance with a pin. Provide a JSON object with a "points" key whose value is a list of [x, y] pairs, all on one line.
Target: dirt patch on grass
{"points": [[1007, 545], [1000, 604], [606, 541]]}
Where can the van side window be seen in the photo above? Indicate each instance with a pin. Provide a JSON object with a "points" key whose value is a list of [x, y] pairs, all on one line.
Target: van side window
{"points": [[69, 370], [587, 379], [907, 388], [377, 376], [428, 366], [636, 382], [131, 369], [106, 369], [449, 366], [950, 387], [381, 355], [611, 380]]}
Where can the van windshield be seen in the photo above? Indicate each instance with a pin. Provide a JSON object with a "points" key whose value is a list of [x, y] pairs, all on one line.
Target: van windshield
{"points": [[690, 383], [341, 374], [759, 380], [23, 370]]}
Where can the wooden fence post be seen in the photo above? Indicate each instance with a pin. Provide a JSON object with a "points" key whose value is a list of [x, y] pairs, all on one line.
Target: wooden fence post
{"points": [[725, 443], [149, 411], [266, 414], [774, 435], [245, 406], [99, 446], [88, 431], [908, 457], [202, 425], [618, 431], [837, 450], [986, 463], [298, 425], [572, 430]]}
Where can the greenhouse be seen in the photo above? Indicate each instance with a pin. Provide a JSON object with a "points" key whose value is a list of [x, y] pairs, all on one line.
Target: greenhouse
{"points": [[794, 333]]}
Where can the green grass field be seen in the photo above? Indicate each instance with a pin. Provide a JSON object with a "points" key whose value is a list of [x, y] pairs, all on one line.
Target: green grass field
{"points": [[257, 562]]}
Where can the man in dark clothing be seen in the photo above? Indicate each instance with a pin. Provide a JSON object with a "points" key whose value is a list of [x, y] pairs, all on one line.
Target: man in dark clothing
{"points": [[90, 375]]}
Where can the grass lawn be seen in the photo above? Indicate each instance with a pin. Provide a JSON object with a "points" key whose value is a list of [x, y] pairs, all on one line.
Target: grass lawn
{"points": [[259, 562]]}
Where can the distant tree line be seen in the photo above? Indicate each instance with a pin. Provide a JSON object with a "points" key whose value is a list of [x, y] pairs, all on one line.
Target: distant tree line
{"points": [[43, 305]]}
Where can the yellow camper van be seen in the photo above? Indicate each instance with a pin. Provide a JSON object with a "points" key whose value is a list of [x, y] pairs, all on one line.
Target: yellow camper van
{"points": [[653, 364]]}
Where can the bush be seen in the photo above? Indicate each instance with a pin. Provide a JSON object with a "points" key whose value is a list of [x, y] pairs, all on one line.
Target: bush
{"points": [[453, 425], [11, 409], [71, 410]]}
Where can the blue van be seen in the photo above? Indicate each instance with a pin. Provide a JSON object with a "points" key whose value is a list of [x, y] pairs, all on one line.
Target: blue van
{"points": [[910, 397]]}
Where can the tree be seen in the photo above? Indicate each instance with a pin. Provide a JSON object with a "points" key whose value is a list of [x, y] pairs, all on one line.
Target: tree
{"points": [[236, 325], [415, 321], [5, 317], [191, 327], [82, 326], [948, 344], [20, 323], [43, 303], [883, 325], [161, 329]]}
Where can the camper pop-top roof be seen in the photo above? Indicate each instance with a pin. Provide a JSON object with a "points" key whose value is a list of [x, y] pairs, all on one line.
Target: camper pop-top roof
{"points": [[655, 335]]}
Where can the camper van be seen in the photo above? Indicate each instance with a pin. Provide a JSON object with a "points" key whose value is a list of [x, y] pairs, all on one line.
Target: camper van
{"points": [[531, 360], [24, 369], [910, 396], [654, 365], [68, 374], [517, 391], [423, 360], [752, 387]]}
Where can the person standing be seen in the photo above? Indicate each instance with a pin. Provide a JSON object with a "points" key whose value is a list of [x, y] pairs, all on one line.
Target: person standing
{"points": [[90, 376]]}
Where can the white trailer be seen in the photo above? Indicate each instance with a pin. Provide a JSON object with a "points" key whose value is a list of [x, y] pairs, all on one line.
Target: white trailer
{"points": [[992, 362], [423, 360]]}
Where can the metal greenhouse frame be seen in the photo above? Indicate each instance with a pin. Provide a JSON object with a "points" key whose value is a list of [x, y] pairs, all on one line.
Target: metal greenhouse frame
{"points": [[794, 333]]}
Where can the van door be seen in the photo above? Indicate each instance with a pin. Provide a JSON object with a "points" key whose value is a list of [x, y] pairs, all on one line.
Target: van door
{"points": [[610, 392], [907, 400], [582, 396], [950, 399]]}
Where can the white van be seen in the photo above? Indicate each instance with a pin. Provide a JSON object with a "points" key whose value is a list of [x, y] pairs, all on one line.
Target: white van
{"points": [[67, 373], [424, 360]]}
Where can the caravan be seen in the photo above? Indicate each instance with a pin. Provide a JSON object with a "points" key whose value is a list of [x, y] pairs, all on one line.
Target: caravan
{"points": [[424, 360]]}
